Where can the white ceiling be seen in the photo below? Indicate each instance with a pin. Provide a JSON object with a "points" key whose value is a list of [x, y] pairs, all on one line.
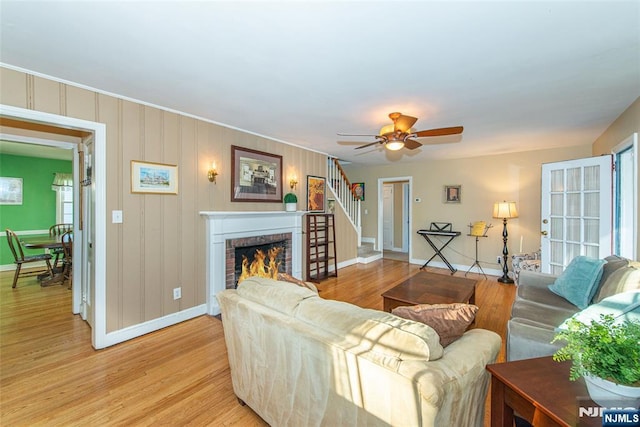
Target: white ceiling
{"points": [[518, 75], [35, 150]]}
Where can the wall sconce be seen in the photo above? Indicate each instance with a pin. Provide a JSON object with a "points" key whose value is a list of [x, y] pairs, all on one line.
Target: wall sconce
{"points": [[293, 182], [212, 173]]}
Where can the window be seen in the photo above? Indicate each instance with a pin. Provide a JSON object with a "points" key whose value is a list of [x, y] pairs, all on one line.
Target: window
{"points": [[625, 198], [63, 186], [64, 204]]}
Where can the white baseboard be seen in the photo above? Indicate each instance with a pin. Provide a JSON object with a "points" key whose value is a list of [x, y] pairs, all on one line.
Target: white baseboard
{"points": [[346, 263], [372, 258], [134, 331], [459, 267], [368, 240]]}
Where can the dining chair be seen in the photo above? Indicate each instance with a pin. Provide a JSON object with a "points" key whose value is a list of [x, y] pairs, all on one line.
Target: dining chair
{"points": [[67, 261], [20, 258], [58, 230]]}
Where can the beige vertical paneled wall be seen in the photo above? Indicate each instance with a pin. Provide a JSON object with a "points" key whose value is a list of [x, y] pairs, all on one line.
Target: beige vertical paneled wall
{"points": [[161, 243], [485, 180]]}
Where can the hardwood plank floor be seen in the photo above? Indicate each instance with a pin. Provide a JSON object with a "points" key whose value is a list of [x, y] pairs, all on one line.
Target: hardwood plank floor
{"points": [[50, 374]]}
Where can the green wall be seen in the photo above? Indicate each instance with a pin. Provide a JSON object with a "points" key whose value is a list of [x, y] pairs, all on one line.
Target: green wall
{"points": [[38, 209]]}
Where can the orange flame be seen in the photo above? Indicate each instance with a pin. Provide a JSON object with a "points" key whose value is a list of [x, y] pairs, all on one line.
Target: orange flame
{"points": [[258, 266]]}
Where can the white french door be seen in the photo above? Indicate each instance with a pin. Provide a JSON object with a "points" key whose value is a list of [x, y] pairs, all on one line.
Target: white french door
{"points": [[576, 211]]}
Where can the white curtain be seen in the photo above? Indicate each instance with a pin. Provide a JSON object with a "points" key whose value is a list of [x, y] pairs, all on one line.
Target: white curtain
{"points": [[62, 180]]}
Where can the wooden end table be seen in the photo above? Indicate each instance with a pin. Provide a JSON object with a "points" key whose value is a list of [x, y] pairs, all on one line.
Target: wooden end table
{"points": [[539, 391], [430, 288]]}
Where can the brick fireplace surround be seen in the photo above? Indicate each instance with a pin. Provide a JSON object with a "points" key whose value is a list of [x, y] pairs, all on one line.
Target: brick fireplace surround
{"points": [[223, 228]]}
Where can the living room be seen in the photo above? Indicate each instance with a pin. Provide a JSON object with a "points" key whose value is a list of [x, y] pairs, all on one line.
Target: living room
{"points": [[162, 241]]}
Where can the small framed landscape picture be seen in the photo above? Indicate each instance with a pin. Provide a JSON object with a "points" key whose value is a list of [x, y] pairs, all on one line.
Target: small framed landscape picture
{"points": [[10, 191], [452, 193], [153, 178]]}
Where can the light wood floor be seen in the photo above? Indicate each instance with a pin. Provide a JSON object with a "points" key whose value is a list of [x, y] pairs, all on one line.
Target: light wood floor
{"points": [[50, 374]]}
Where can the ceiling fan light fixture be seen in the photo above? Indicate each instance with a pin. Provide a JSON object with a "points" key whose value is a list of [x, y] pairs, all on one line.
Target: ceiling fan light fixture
{"points": [[394, 145]]}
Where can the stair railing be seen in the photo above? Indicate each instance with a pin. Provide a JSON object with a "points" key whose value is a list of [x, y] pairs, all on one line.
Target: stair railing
{"points": [[346, 196]]}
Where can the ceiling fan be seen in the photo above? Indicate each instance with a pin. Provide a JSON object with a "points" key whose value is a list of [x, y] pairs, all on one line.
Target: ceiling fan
{"points": [[400, 134]]}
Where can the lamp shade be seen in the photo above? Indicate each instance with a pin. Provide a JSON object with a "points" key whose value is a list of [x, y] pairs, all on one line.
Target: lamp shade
{"points": [[505, 210]]}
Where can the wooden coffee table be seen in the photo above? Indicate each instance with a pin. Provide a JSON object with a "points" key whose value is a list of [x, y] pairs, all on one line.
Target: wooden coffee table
{"points": [[430, 288], [539, 390]]}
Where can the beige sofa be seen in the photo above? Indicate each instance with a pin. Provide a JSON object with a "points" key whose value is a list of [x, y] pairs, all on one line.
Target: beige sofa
{"points": [[299, 360]]}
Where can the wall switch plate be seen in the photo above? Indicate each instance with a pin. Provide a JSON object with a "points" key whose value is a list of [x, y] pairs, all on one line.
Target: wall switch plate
{"points": [[177, 293], [116, 217]]}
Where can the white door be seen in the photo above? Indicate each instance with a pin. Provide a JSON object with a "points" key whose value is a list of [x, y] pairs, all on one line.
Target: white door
{"points": [[88, 231], [576, 211], [387, 216]]}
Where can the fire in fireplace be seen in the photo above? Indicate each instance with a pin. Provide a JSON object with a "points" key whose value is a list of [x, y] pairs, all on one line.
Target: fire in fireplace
{"points": [[259, 260]]}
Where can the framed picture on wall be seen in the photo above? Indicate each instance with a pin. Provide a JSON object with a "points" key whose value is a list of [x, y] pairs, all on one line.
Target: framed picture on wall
{"points": [[256, 176], [316, 190], [452, 193], [10, 191], [358, 190], [154, 178]]}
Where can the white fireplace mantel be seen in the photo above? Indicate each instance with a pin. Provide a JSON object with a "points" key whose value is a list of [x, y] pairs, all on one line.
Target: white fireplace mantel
{"points": [[222, 226]]}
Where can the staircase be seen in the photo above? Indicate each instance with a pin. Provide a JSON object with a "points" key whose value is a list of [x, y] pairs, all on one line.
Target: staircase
{"points": [[345, 197], [367, 254]]}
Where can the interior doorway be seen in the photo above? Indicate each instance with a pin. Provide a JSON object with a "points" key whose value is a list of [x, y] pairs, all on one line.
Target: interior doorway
{"points": [[66, 148], [93, 284], [394, 218]]}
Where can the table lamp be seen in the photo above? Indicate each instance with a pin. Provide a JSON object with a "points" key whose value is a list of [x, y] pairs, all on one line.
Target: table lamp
{"points": [[505, 210]]}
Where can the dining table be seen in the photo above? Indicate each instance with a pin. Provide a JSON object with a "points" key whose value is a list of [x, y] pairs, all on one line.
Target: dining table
{"points": [[45, 242], [42, 242]]}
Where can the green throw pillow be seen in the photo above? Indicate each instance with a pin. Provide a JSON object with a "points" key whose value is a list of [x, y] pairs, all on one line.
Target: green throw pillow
{"points": [[579, 281]]}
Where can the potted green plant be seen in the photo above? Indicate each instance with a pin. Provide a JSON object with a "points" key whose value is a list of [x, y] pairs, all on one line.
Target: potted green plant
{"points": [[290, 202], [607, 354]]}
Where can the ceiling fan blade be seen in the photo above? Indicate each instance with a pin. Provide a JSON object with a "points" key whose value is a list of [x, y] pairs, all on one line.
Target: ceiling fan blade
{"points": [[439, 132], [368, 145], [411, 144], [404, 123], [355, 134]]}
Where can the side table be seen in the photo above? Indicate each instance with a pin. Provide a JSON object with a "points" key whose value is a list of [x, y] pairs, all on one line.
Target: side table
{"points": [[539, 390]]}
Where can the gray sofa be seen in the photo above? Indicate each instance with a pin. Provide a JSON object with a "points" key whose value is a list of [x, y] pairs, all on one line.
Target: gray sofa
{"points": [[537, 311]]}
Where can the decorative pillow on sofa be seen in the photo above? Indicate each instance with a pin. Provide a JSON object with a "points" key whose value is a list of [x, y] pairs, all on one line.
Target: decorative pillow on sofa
{"points": [[578, 283], [448, 320], [622, 280]]}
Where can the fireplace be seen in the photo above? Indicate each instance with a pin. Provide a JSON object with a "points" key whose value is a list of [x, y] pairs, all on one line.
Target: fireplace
{"points": [[246, 247], [226, 230]]}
